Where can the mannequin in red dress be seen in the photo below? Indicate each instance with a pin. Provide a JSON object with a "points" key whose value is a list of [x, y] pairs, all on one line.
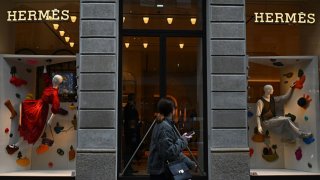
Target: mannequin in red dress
{"points": [[34, 113]]}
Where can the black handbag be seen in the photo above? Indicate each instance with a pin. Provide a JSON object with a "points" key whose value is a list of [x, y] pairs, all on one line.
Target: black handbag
{"points": [[179, 170]]}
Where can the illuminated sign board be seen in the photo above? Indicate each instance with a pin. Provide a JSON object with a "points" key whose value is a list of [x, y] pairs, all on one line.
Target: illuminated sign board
{"points": [[284, 18], [38, 15]]}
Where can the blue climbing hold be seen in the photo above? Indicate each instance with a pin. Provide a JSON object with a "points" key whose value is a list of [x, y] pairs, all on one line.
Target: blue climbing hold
{"points": [[308, 140], [250, 114]]}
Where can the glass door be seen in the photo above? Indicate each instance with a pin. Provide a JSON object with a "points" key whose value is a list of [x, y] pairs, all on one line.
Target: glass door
{"points": [[154, 67], [184, 85], [140, 92]]}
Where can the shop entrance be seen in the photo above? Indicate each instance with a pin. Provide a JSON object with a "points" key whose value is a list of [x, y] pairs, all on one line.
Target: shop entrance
{"points": [[154, 67], [162, 54], [271, 153]]}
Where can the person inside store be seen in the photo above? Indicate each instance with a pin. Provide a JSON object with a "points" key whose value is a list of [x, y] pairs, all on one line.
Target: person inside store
{"points": [[270, 116], [34, 113], [166, 145], [132, 126]]}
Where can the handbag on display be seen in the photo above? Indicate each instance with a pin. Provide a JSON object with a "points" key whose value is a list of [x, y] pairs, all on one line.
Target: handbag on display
{"points": [[179, 170]]}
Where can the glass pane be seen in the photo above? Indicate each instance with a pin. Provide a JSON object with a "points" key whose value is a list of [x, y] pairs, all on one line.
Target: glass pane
{"points": [[185, 88], [171, 15], [140, 92]]}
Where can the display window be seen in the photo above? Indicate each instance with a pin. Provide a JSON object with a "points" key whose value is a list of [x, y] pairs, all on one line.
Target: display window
{"points": [[283, 87], [38, 85]]}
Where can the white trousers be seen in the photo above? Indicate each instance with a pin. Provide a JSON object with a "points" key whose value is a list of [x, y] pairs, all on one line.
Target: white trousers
{"points": [[284, 126]]}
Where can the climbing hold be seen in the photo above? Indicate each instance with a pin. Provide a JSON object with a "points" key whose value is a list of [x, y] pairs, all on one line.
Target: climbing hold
{"points": [[298, 154], [251, 152], [60, 151]]}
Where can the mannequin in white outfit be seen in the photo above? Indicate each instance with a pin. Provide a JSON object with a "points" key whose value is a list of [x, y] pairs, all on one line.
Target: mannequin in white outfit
{"points": [[269, 118]]}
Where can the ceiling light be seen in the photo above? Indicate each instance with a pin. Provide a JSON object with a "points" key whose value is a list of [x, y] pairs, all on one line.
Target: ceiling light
{"points": [[127, 44], [123, 19], [67, 38], [193, 21], [146, 20], [169, 20], [73, 18], [56, 26], [160, 5], [181, 45], [71, 44], [145, 45], [61, 33]]}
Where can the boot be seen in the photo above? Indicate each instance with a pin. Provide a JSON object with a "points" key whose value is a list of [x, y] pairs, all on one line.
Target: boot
{"points": [[11, 109]]}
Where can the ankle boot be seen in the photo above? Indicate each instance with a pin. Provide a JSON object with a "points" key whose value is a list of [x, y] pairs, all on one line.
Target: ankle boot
{"points": [[11, 109]]}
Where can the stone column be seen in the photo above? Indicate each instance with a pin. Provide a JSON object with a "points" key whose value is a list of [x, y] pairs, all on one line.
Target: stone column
{"points": [[97, 133], [227, 90]]}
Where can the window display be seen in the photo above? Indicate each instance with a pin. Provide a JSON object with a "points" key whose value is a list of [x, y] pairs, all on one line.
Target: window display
{"points": [[282, 117], [40, 133]]}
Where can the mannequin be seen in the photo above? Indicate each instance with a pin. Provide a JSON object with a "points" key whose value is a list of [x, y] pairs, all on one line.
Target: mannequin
{"points": [[268, 118], [33, 113]]}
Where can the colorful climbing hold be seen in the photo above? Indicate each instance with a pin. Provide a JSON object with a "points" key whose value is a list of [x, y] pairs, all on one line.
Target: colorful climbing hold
{"points": [[60, 151], [72, 153], [11, 135], [251, 151], [288, 75], [308, 140], [309, 165], [298, 154], [306, 118], [6, 130], [23, 161], [50, 164]]}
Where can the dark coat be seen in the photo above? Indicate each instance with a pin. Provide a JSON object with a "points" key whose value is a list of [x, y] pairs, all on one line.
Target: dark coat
{"points": [[165, 146]]}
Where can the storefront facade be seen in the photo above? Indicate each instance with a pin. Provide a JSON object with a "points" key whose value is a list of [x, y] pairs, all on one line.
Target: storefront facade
{"points": [[217, 81], [101, 52]]}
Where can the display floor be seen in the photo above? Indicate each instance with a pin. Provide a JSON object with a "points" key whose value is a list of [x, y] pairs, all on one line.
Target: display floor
{"points": [[41, 173], [280, 172]]}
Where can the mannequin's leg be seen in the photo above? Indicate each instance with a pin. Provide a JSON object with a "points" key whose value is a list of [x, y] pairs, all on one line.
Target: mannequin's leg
{"points": [[19, 142], [11, 109], [285, 125]]}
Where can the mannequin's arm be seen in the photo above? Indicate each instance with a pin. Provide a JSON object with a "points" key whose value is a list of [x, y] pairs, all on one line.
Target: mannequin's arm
{"points": [[286, 96], [258, 114], [50, 119]]}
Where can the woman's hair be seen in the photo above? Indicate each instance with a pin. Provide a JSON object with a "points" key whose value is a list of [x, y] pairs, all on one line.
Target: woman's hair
{"points": [[165, 106]]}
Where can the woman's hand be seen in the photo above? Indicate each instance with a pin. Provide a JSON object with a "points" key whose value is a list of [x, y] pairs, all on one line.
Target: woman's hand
{"points": [[187, 136]]}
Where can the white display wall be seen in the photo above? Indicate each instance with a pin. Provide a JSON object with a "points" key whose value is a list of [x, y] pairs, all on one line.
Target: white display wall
{"points": [[300, 155], [49, 160]]}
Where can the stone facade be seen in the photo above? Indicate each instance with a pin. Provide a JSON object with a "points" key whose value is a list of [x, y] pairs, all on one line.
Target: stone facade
{"points": [[97, 134], [227, 90]]}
